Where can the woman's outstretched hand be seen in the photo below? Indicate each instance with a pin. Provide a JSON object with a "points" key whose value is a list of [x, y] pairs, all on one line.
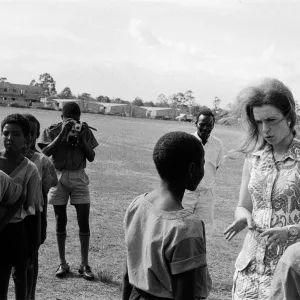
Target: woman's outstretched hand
{"points": [[237, 226]]}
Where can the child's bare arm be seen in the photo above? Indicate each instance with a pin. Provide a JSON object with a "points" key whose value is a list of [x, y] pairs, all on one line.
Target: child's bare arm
{"points": [[184, 285], [52, 147]]}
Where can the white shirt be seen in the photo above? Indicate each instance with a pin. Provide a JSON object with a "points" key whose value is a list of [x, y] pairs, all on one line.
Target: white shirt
{"points": [[201, 201]]}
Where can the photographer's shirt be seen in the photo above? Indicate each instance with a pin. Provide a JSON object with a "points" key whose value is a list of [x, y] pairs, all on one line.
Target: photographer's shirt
{"points": [[67, 157]]}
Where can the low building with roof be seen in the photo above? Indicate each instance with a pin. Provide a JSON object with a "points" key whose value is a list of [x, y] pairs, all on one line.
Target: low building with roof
{"points": [[11, 92], [161, 112]]}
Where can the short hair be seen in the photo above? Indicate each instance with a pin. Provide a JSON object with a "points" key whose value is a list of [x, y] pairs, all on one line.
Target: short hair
{"points": [[19, 120], [205, 111], [33, 119], [269, 91], [71, 109], [173, 154]]}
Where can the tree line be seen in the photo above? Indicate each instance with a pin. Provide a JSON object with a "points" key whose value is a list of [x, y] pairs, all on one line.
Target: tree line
{"points": [[181, 100]]}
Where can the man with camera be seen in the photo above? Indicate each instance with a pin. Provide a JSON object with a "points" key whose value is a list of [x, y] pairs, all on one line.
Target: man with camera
{"points": [[70, 143]]}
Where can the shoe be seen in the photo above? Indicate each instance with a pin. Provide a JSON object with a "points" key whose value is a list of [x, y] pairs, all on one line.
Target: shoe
{"points": [[86, 272], [62, 270]]}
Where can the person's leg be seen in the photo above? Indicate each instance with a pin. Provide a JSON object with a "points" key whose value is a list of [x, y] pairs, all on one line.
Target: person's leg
{"points": [[83, 213], [20, 260], [32, 273], [60, 212], [19, 275], [5, 271], [61, 234]]}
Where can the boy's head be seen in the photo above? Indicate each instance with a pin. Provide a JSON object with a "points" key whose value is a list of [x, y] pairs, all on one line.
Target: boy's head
{"points": [[179, 158], [15, 130], [34, 128], [71, 110]]}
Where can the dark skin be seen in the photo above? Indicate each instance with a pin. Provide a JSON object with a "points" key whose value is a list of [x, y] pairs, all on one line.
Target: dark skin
{"points": [[14, 141], [62, 138], [205, 125], [168, 197]]}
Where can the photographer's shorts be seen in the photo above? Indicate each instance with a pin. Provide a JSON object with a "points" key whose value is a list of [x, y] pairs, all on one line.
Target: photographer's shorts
{"points": [[71, 184]]}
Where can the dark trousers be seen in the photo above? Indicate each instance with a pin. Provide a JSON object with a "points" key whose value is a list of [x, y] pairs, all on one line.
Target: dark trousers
{"points": [[13, 259]]}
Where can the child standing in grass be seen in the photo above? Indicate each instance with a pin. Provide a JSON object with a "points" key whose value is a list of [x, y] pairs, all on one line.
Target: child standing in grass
{"points": [[165, 244], [69, 153], [15, 130], [49, 179]]}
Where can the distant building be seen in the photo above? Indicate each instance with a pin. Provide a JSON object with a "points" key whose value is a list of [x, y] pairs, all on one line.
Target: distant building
{"points": [[11, 92], [161, 112], [116, 108]]}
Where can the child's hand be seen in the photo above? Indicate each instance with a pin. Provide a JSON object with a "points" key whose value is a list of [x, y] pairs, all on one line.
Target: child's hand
{"points": [[66, 127], [82, 134]]}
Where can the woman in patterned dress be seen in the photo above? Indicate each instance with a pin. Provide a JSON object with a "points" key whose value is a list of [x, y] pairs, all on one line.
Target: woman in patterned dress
{"points": [[269, 200]]}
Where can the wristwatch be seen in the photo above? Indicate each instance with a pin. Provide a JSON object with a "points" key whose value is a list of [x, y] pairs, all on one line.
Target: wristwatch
{"points": [[293, 232]]}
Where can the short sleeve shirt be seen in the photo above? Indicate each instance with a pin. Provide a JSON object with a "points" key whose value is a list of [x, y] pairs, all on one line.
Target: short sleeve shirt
{"points": [[27, 175], [9, 190], [160, 244], [67, 157], [46, 171]]}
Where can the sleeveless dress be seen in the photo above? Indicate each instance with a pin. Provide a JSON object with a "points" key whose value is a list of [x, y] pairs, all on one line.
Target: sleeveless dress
{"points": [[275, 191]]}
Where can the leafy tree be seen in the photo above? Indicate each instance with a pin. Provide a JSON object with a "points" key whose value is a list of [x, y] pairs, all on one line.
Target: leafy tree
{"points": [[65, 94], [3, 79], [103, 99], [48, 85], [33, 83], [138, 101], [149, 104], [162, 101], [216, 103], [189, 98], [86, 97]]}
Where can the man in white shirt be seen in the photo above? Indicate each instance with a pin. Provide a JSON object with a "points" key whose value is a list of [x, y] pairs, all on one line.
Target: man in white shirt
{"points": [[202, 200]]}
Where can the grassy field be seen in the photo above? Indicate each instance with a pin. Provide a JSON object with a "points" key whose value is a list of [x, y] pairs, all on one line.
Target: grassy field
{"points": [[123, 169]]}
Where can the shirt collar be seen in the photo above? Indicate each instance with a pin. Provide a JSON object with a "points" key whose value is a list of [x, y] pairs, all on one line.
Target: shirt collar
{"points": [[292, 153], [199, 138]]}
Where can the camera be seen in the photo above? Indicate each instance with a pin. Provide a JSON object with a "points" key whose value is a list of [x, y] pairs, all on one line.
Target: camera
{"points": [[72, 137]]}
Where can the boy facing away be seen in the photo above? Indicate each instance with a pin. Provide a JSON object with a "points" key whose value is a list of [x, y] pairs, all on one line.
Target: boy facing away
{"points": [[165, 243], [70, 149]]}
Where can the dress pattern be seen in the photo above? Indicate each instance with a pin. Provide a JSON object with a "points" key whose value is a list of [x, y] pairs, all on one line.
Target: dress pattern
{"points": [[274, 187]]}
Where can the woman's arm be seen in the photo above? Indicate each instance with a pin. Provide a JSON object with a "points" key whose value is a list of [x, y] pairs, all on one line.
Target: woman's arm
{"points": [[243, 212]]}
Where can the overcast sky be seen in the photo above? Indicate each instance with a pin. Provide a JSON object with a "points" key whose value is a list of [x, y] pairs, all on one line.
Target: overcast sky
{"points": [[122, 48]]}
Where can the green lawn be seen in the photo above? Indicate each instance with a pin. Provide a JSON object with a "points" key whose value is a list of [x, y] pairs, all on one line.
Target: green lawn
{"points": [[123, 169]]}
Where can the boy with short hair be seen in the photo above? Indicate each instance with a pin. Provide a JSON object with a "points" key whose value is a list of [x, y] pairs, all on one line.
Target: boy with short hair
{"points": [[71, 143], [14, 243], [49, 179], [165, 243]]}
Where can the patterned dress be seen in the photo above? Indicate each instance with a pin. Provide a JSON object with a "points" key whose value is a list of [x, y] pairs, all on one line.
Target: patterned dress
{"points": [[275, 191]]}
